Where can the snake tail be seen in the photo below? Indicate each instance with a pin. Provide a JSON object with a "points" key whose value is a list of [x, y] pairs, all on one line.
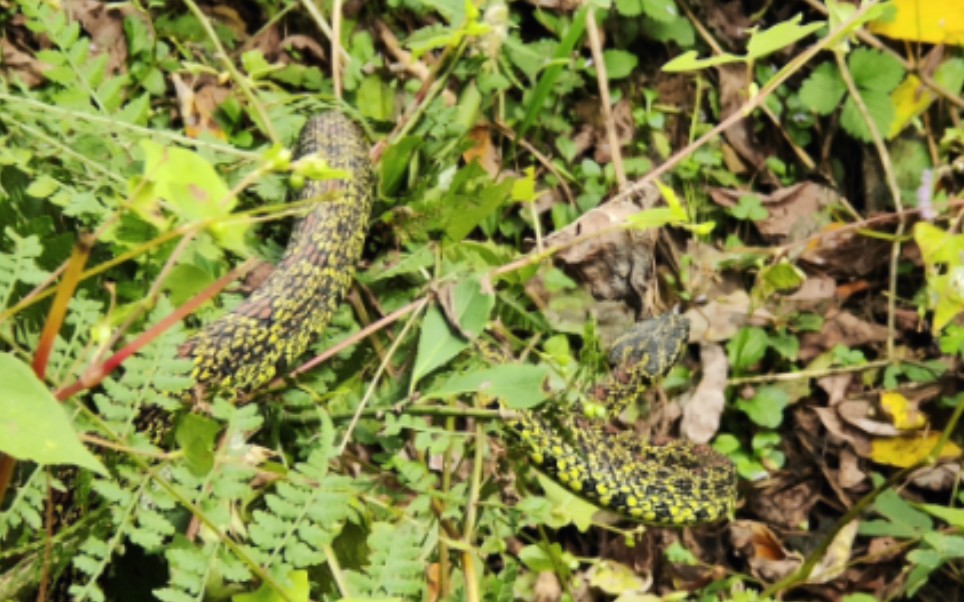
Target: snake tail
{"points": [[266, 333]]}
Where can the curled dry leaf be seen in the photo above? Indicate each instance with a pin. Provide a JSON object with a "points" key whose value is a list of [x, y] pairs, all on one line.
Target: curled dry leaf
{"points": [[842, 432], [766, 556], [841, 252], [785, 501], [849, 475], [616, 264], [703, 407]]}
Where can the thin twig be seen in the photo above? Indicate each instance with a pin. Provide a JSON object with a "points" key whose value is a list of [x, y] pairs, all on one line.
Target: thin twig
{"points": [[894, 189], [602, 80], [336, 17]]}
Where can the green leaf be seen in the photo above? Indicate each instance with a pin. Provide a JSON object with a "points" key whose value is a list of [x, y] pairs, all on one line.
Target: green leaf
{"points": [[749, 208], [881, 110], [376, 100], [874, 70], [34, 425], [296, 590], [823, 90], [519, 386], [952, 516], [195, 435], [766, 406], [437, 344], [690, 61], [663, 11], [619, 63], [779, 36], [747, 347], [396, 161], [471, 306], [193, 190]]}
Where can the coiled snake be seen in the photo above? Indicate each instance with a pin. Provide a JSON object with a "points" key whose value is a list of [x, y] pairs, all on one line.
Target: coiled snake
{"points": [[678, 483]]}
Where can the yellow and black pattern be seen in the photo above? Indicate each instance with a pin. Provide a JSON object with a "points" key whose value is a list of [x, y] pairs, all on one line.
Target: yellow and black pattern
{"points": [[675, 484], [266, 333]]}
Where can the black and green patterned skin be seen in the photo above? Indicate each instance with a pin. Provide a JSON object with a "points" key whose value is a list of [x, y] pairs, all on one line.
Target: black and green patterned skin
{"points": [[265, 334], [677, 483], [674, 484]]}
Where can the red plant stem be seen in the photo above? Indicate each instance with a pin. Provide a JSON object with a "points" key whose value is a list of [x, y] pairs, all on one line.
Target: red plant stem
{"points": [[96, 374]]}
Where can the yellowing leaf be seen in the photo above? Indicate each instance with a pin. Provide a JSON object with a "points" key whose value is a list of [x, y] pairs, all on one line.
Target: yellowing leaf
{"points": [[930, 21], [903, 413], [907, 451], [910, 99]]}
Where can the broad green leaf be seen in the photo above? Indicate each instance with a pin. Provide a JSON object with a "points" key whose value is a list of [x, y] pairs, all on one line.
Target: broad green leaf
{"points": [[747, 347], [472, 306], [376, 99], [396, 161], [195, 436], [766, 406], [783, 277], [619, 63], [952, 516], [437, 344], [34, 425], [902, 519], [519, 386], [824, 89], [874, 70], [192, 189]]}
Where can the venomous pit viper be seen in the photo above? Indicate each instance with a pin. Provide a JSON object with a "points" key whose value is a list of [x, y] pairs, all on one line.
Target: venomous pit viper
{"points": [[677, 483]]}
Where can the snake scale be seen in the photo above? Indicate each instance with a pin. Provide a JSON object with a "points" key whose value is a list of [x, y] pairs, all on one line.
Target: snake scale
{"points": [[678, 483]]}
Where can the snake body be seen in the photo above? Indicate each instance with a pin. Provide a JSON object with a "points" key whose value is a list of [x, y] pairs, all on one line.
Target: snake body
{"points": [[674, 484], [247, 347]]}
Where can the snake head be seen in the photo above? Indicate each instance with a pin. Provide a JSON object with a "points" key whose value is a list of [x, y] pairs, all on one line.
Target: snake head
{"points": [[651, 348]]}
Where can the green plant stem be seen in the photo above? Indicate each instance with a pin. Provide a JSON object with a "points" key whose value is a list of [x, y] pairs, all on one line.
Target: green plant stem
{"points": [[370, 391], [803, 573], [892, 186], [111, 125], [806, 374]]}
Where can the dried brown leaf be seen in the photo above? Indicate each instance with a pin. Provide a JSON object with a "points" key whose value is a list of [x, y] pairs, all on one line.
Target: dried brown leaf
{"points": [[703, 407]]}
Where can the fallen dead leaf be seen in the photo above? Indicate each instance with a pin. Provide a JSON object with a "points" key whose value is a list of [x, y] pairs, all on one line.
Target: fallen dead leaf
{"points": [[483, 151], [720, 319], [767, 558], [834, 561], [849, 475], [789, 210], [841, 328], [617, 264], [106, 28], [907, 451], [703, 407], [785, 502]]}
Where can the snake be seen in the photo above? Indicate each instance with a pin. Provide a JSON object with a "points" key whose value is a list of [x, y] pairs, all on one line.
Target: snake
{"points": [[675, 483]]}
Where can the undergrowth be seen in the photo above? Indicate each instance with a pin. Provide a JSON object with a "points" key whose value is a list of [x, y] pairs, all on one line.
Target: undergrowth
{"points": [[142, 159]]}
